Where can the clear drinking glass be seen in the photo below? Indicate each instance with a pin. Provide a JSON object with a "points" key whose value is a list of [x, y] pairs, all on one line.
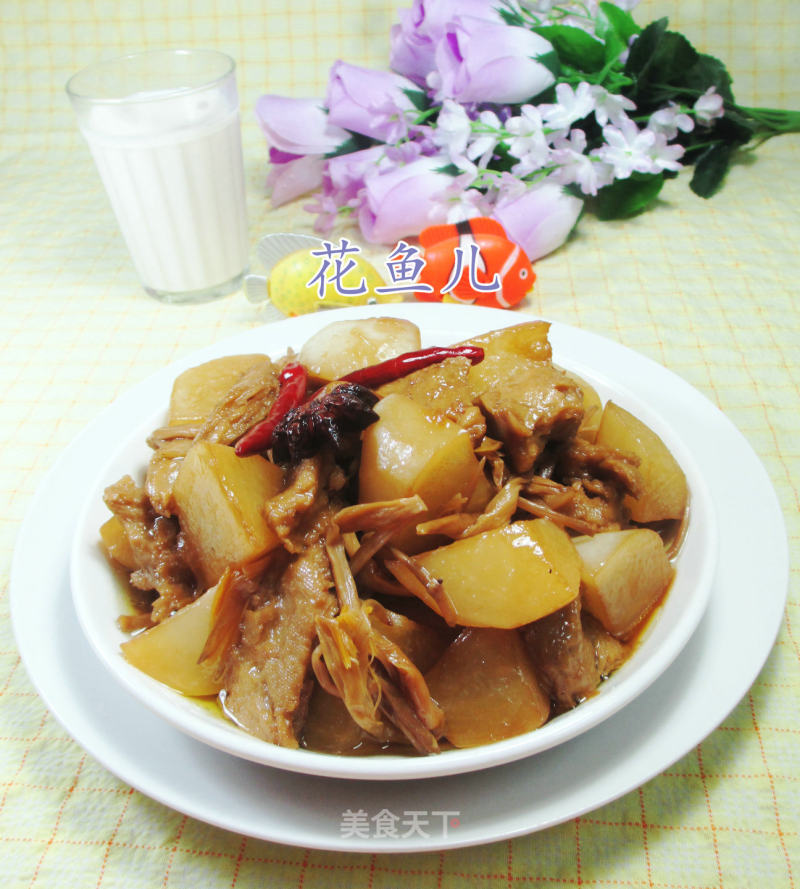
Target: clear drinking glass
{"points": [[163, 127]]}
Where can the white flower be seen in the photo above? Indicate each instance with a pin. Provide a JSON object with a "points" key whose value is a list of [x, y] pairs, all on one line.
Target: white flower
{"points": [[572, 105], [668, 120], [528, 142], [466, 205], [453, 132], [709, 106], [627, 148], [485, 140], [576, 167], [458, 202], [609, 107], [507, 186], [665, 155]]}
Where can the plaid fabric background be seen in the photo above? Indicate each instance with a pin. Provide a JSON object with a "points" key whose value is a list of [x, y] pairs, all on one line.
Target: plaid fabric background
{"points": [[706, 288]]}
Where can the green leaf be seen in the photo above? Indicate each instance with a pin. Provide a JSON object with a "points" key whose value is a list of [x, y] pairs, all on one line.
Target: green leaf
{"points": [[735, 129], [627, 197], [355, 142], [610, 72], [502, 162], [773, 120], [644, 49], [662, 63], [448, 169], [552, 62], [705, 72], [612, 19], [710, 169], [574, 46], [666, 67], [616, 82], [614, 47], [511, 16], [704, 146], [574, 190], [418, 99]]}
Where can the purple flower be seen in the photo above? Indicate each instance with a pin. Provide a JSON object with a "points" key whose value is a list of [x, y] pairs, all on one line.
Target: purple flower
{"points": [[327, 212], [480, 61], [402, 201], [298, 126], [539, 219], [414, 40], [293, 178], [369, 102], [405, 152], [345, 174], [342, 184]]}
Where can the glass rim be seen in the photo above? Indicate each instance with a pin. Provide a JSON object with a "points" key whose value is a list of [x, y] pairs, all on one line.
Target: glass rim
{"points": [[76, 94]]}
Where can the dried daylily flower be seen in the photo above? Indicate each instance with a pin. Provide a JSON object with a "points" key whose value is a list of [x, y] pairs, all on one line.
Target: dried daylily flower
{"points": [[421, 583], [379, 684]]}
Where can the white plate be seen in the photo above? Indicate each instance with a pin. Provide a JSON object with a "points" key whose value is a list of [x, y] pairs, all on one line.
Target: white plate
{"points": [[99, 599], [695, 694]]}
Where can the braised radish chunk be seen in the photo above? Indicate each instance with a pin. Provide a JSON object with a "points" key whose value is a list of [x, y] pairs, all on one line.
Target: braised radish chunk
{"points": [[488, 688], [365, 546], [345, 346]]}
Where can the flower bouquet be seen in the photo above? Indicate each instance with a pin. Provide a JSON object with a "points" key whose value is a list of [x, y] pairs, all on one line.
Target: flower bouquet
{"points": [[525, 111]]}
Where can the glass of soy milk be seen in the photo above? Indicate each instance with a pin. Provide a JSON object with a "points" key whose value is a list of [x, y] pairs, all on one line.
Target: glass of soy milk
{"points": [[164, 130]]}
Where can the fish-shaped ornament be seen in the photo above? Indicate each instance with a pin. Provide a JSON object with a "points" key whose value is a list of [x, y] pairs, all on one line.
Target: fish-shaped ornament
{"points": [[474, 263], [303, 273]]}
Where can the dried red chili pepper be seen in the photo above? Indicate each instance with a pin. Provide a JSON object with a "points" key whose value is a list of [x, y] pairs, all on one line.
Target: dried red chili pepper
{"points": [[293, 384], [395, 368]]}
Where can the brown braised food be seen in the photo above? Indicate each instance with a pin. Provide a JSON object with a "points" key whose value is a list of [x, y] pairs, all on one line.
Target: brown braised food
{"points": [[442, 559]]}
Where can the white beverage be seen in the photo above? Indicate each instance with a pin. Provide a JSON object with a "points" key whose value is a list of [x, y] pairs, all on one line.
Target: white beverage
{"points": [[180, 206], [171, 163]]}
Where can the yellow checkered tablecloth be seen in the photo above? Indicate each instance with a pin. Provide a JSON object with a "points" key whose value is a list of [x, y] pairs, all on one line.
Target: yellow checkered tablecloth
{"points": [[708, 289]]}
